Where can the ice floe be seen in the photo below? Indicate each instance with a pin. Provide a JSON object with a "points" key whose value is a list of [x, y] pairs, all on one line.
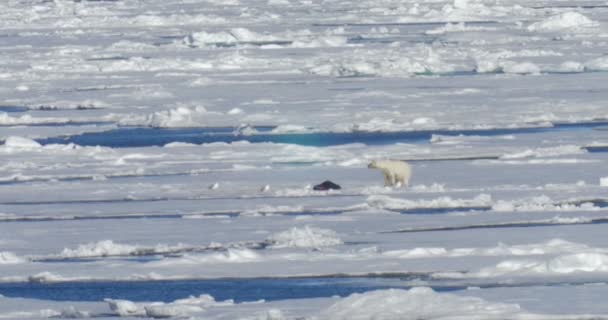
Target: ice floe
{"points": [[416, 303], [10, 258], [540, 203], [21, 143], [306, 237], [582, 262], [546, 152], [177, 309], [567, 21], [386, 202]]}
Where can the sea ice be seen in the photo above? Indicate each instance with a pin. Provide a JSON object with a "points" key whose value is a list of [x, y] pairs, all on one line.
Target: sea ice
{"points": [[306, 237], [567, 21], [416, 303]]}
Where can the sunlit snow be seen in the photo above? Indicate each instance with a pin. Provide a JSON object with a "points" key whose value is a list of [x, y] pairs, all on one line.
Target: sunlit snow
{"points": [[159, 159]]}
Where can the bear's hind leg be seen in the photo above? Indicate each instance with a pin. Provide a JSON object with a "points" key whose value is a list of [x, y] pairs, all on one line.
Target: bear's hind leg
{"points": [[401, 180]]}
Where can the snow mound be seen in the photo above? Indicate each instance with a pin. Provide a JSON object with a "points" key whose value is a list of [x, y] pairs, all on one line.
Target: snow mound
{"points": [[27, 119], [107, 248], [228, 256], [540, 203], [204, 300], [72, 313], [570, 66], [102, 248], [328, 41], [386, 202], [125, 308], [416, 303], [598, 64], [290, 128], [563, 21], [182, 308], [233, 36], [580, 262], [48, 277], [553, 246], [307, 237], [563, 264], [178, 117], [367, 63], [456, 27], [520, 67], [10, 258], [545, 152], [21, 143], [272, 314]]}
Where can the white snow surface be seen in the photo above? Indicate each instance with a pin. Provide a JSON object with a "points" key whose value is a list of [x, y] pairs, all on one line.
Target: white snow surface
{"points": [[565, 21], [10, 258], [307, 237], [243, 106], [416, 303]]}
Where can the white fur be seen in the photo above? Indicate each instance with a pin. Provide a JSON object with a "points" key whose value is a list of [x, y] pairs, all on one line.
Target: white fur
{"points": [[396, 173]]}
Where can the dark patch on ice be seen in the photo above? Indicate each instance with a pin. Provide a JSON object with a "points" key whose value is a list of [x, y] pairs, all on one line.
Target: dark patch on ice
{"points": [[469, 73], [7, 108], [144, 137], [110, 58], [20, 180], [92, 201], [347, 89], [161, 199], [405, 24], [368, 40], [99, 88], [91, 217], [152, 254], [565, 6], [218, 214], [522, 224], [140, 259], [59, 124], [600, 203], [464, 158], [242, 43], [49, 107], [326, 185], [60, 218], [445, 210], [453, 73]]}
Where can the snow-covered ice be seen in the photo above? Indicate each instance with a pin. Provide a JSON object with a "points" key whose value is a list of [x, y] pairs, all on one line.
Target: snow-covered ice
{"points": [[158, 159]]}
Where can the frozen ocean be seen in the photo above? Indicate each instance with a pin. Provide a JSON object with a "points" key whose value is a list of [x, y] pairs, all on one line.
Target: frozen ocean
{"points": [[159, 158]]}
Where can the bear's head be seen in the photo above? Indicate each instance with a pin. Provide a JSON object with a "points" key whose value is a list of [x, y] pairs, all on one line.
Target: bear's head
{"points": [[373, 164]]}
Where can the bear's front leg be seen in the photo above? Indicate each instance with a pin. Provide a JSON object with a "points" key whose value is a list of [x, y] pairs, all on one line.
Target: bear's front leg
{"points": [[387, 180]]}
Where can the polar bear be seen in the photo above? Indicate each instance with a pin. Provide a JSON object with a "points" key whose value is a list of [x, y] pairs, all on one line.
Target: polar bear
{"points": [[396, 173]]}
